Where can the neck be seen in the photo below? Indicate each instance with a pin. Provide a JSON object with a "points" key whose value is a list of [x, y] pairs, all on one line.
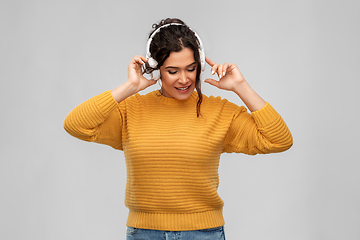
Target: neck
{"points": [[161, 92]]}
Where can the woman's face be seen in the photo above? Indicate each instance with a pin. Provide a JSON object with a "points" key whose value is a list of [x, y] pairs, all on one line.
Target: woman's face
{"points": [[178, 74]]}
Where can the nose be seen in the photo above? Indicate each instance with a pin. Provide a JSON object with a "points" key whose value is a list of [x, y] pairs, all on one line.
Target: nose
{"points": [[183, 79]]}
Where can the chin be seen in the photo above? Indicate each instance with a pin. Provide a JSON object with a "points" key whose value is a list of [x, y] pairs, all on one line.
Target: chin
{"points": [[182, 97]]}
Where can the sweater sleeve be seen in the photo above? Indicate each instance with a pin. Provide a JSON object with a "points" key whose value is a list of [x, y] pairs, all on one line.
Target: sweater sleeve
{"points": [[262, 131], [97, 120]]}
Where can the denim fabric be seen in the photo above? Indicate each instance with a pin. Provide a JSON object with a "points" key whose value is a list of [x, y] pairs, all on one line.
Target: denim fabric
{"points": [[148, 234]]}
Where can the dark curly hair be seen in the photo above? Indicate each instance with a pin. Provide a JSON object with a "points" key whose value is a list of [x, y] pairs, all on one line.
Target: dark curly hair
{"points": [[173, 39]]}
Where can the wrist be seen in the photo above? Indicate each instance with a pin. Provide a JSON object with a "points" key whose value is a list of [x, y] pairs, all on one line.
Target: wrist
{"points": [[241, 88], [251, 99], [124, 91], [130, 88]]}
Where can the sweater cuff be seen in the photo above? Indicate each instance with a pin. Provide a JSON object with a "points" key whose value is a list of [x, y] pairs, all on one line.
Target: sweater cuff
{"points": [[106, 102], [265, 115]]}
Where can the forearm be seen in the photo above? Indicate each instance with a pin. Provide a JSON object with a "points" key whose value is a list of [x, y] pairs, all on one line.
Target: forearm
{"points": [[251, 99], [123, 91]]}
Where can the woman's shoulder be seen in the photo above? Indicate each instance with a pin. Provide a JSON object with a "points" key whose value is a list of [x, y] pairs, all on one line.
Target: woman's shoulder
{"points": [[219, 102], [139, 98]]}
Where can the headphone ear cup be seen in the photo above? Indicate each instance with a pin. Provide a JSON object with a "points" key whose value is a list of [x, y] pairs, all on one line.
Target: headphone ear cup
{"points": [[152, 62], [155, 75]]}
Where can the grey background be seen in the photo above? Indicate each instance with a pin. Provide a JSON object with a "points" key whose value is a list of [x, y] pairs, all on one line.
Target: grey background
{"points": [[301, 56]]}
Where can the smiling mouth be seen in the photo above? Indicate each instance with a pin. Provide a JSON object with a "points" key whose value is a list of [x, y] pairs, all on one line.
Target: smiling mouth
{"points": [[183, 88]]}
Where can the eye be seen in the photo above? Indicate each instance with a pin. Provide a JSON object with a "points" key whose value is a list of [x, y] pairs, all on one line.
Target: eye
{"points": [[172, 72], [191, 70]]}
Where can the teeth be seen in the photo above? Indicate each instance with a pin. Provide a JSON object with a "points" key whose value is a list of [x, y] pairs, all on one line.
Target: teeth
{"points": [[183, 88]]}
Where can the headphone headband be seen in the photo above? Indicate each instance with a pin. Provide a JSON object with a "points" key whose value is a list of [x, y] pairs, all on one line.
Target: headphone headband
{"points": [[153, 63]]}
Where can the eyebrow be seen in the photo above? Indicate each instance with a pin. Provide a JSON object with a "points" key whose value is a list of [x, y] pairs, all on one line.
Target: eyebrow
{"points": [[177, 67]]}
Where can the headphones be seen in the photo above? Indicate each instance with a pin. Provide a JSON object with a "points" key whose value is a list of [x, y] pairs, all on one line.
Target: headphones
{"points": [[153, 63]]}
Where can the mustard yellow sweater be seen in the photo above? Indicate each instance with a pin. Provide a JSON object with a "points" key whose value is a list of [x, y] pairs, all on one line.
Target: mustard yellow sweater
{"points": [[172, 156]]}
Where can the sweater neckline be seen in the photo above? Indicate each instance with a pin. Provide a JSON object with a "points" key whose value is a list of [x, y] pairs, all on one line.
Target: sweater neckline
{"points": [[173, 101]]}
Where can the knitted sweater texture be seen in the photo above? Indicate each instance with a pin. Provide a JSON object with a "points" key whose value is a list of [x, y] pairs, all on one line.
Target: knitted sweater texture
{"points": [[172, 156]]}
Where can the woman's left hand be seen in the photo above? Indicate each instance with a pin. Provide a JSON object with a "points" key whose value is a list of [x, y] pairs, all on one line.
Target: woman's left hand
{"points": [[229, 74]]}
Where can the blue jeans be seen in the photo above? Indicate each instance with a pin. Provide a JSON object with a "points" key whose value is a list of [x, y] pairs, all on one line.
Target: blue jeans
{"points": [[148, 234]]}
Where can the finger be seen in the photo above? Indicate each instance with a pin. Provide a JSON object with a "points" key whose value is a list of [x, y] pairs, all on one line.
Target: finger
{"points": [[209, 61], [139, 59], [225, 68], [212, 82], [144, 59], [220, 71], [214, 69], [151, 82]]}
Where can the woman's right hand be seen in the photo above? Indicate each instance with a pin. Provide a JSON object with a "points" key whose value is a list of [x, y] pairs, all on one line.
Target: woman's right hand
{"points": [[136, 81], [135, 74]]}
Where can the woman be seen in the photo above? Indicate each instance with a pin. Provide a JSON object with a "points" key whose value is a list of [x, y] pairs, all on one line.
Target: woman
{"points": [[173, 138]]}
